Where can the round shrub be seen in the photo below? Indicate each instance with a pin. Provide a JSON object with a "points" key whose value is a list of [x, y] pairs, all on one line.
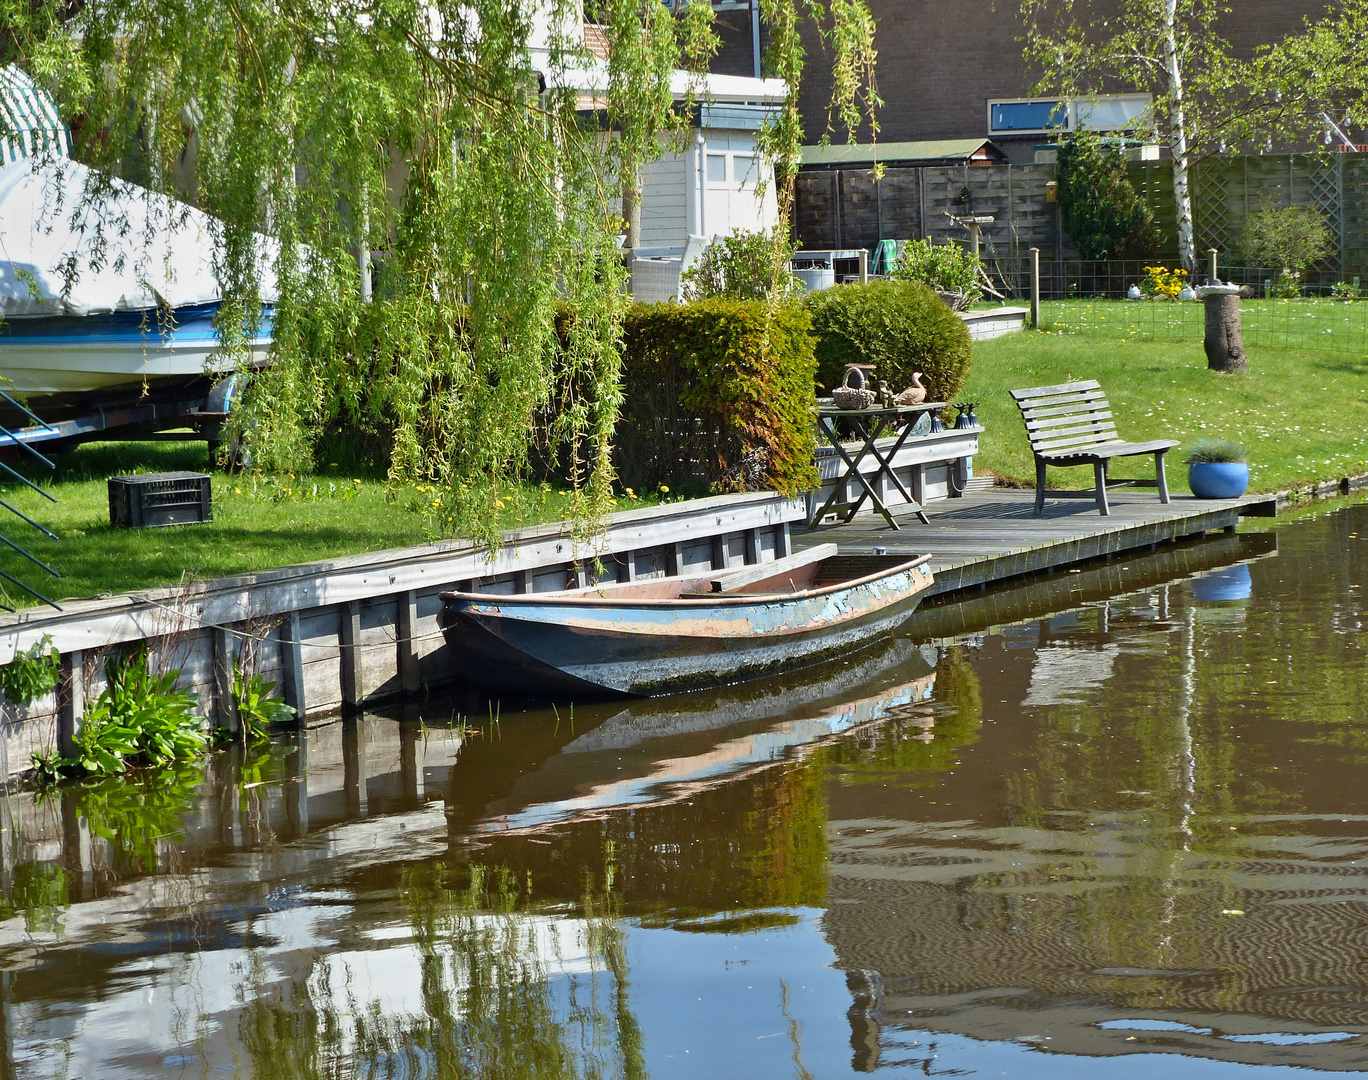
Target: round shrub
{"points": [[898, 326]]}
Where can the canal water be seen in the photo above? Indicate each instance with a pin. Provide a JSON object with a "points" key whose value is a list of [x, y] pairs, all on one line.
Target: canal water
{"points": [[1114, 822]]}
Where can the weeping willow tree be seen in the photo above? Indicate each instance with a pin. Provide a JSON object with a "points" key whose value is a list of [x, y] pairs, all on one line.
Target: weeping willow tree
{"points": [[433, 188]]}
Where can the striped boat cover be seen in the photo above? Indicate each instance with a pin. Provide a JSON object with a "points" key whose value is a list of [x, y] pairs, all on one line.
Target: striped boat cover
{"points": [[29, 123]]}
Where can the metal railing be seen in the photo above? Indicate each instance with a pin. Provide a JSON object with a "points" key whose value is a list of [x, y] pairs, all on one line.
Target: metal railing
{"points": [[8, 438]]}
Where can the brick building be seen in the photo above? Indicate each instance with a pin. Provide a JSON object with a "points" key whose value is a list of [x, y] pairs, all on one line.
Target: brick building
{"points": [[941, 64]]}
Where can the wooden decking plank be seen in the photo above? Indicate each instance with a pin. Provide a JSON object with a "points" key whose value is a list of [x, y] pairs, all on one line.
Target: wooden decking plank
{"points": [[994, 535]]}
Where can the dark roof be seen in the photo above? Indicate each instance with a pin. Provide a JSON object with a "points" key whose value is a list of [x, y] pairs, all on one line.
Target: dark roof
{"points": [[927, 152]]}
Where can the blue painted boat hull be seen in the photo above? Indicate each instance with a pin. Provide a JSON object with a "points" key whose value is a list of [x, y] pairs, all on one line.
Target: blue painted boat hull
{"points": [[591, 642], [81, 354]]}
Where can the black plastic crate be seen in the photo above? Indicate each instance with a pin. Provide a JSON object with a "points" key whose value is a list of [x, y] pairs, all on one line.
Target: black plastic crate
{"points": [[168, 498]]}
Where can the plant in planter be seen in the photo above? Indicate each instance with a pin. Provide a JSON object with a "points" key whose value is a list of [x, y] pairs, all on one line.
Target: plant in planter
{"points": [[1217, 469]]}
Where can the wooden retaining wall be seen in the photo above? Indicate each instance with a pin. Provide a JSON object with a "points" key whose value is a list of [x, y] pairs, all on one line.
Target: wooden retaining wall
{"points": [[345, 633]]}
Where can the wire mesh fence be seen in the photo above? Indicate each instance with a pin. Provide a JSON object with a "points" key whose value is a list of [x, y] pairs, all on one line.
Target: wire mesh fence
{"points": [[1081, 279], [1318, 325]]}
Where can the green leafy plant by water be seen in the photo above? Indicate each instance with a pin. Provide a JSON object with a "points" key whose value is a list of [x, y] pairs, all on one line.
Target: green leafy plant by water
{"points": [[31, 674], [41, 891], [140, 720], [137, 815], [257, 708]]}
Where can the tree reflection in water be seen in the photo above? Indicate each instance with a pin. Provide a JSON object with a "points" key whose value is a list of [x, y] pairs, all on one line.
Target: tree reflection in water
{"points": [[500, 997]]}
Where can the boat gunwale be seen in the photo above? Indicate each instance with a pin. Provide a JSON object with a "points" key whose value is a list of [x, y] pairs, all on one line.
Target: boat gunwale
{"points": [[579, 597]]}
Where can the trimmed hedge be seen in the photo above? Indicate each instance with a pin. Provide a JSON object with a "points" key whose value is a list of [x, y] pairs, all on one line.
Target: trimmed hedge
{"points": [[717, 396], [898, 326]]}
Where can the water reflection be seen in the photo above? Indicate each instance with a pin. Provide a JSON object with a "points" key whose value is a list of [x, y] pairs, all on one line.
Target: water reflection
{"points": [[1103, 815]]}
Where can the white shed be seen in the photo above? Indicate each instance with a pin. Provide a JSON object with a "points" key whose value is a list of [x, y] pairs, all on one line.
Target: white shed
{"points": [[718, 184]]}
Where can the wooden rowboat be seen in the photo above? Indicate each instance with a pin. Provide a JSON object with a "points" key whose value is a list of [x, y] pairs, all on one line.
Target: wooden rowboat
{"points": [[669, 635]]}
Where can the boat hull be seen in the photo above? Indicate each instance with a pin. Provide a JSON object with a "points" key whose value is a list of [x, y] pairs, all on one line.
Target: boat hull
{"points": [[574, 645], [65, 355]]}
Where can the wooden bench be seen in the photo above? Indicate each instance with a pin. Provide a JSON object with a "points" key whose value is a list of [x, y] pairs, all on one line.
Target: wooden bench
{"points": [[1071, 424]]}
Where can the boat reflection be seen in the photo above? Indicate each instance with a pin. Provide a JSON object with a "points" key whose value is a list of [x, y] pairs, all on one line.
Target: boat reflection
{"points": [[672, 751]]}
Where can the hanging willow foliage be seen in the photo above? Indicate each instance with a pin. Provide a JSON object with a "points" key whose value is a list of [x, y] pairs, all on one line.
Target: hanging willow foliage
{"points": [[466, 145]]}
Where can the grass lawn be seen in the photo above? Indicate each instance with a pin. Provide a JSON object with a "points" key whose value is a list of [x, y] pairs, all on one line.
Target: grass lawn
{"points": [[1316, 325], [257, 525], [1301, 413]]}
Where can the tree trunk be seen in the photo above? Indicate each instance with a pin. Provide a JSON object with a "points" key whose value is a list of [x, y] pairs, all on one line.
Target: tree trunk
{"points": [[1178, 143], [631, 212], [1224, 337]]}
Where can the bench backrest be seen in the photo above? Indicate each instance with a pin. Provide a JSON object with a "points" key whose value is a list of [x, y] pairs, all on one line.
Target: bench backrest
{"points": [[1070, 416]]}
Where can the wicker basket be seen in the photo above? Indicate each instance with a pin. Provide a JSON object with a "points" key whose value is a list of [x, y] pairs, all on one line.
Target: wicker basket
{"points": [[853, 397]]}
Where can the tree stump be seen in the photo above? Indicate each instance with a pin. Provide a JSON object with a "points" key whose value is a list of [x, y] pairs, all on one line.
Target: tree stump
{"points": [[1224, 338]]}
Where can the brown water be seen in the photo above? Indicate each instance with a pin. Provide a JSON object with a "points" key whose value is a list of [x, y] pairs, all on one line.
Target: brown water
{"points": [[1114, 822]]}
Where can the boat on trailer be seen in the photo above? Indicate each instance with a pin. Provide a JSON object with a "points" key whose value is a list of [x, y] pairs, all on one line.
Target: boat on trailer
{"points": [[72, 356], [106, 287], [674, 634]]}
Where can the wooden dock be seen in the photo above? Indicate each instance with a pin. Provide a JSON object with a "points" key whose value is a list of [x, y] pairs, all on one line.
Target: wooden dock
{"points": [[347, 634], [994, 535]]}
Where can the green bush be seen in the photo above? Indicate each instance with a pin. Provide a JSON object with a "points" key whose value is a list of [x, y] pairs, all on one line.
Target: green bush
{"points": [[744, 266], [1289, 239], [31, 674], [946, 268], [898, 326], [257, 708], [1099, 205], [717, 396]]}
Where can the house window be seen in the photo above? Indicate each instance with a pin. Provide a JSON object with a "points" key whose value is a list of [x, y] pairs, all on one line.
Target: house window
{"points": [[717, 168], [1010, 116], [744, 170], [1044, 116], [1116, 113]]}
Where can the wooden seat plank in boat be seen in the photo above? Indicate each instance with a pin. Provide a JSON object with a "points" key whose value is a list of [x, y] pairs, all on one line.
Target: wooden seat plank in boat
{"points": [[789, 569]]}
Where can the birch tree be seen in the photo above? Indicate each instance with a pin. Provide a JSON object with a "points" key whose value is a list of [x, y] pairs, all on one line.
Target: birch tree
{"points": [[1205, 100]]}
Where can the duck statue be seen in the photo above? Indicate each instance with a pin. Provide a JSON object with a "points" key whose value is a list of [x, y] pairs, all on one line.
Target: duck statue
{"points": [[914, 394]]}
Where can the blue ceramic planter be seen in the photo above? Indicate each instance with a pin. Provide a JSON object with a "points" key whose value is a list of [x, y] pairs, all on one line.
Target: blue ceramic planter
{"points": [[1218, 479]]}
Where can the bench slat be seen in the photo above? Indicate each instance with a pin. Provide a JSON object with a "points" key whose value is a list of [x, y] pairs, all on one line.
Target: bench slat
{"points": [[1035, 427], [1061, 408], [1050, 391], [1108, 450], [1061, 399], [1079, 443], [1078, 435]]}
